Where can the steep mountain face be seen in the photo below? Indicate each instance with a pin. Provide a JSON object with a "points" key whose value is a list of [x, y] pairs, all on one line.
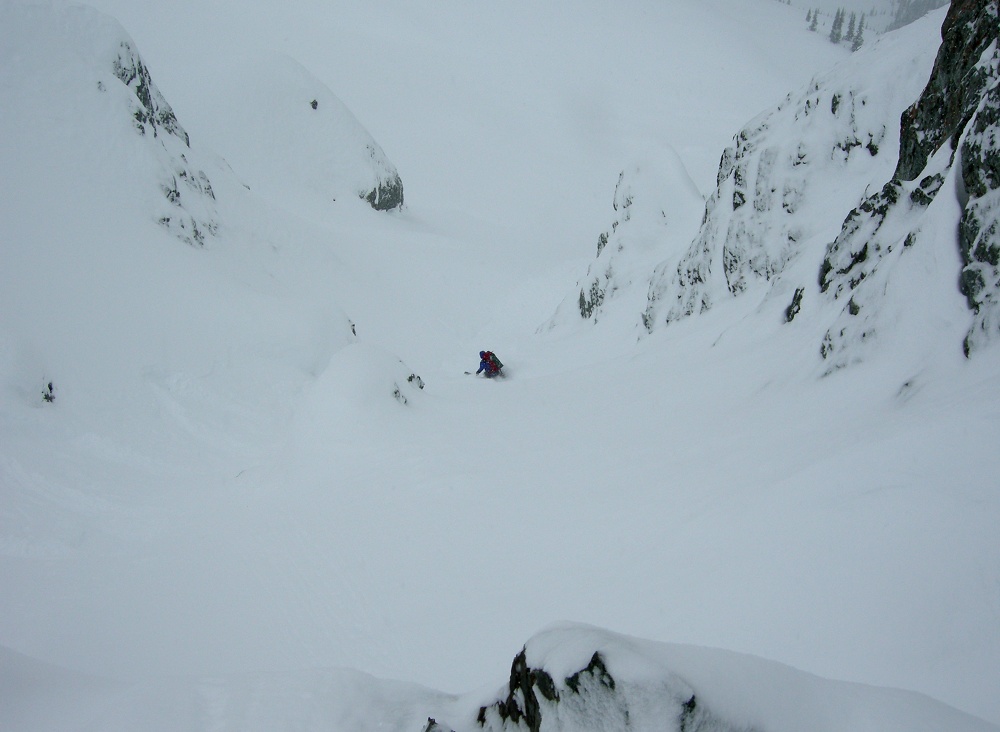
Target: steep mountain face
{"points": [[784, 184], [98, 167], [954, 120]]}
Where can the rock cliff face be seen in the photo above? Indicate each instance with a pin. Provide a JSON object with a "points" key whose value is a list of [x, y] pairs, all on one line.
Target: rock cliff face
{"points": [[953, 121], [785, 183], [152, 111], [190, 213], [979, 230]]}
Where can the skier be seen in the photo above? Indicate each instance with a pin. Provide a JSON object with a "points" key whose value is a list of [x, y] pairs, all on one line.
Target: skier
{"points": [[489, 363]]}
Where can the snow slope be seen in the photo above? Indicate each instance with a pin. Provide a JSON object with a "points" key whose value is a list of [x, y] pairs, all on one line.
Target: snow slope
{"points": [[239, 480]]}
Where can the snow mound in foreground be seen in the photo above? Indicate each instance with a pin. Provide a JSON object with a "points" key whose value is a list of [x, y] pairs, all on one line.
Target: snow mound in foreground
{"points": [[574, 677], [569, 677]]}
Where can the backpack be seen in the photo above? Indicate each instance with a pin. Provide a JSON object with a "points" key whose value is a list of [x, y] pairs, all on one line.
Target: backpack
{"points": [[493, 360]]}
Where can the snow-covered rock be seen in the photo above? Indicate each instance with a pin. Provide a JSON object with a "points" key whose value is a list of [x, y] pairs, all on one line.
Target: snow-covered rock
{"points": [[791, 173], [657, 208], [955, 118], [574, 677]]}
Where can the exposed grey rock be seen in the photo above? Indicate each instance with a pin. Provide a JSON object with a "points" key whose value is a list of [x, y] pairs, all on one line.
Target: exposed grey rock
{"points": [[979, 229], [960, 78], [793, 309]]}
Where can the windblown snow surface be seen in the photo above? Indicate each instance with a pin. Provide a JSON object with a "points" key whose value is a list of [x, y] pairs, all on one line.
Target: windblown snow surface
{"points": [[265, 483]]}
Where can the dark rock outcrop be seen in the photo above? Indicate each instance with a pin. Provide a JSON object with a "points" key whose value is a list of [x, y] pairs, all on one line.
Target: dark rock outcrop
{"points": [[387, 194], [956, 86], [593, 699]]}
